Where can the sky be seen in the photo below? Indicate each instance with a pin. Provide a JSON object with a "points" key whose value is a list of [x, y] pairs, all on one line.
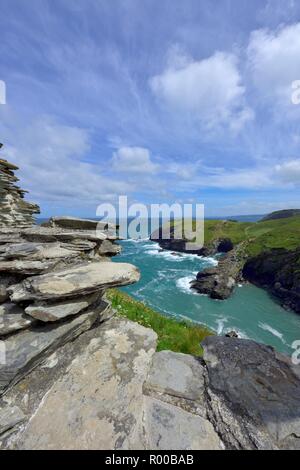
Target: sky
{"points": [[163, 101]]}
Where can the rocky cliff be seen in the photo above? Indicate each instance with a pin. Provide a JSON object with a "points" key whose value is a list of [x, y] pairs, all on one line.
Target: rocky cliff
{"points": [[265, 253], [14, 210], [75, 376], [278, 271]]}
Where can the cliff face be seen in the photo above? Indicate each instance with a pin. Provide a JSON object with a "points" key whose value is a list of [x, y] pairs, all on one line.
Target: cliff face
{"points": [[74, 376], [14, 210], [283, 214], [250, 251], [278, 271], [109, 389]]}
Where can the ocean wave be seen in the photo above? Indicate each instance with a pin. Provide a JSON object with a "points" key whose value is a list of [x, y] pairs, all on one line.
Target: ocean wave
{"points": [[222, 330], [138, 240], [171, 255], [209, 259], [183, 284], [270, 329], [220, 324]]}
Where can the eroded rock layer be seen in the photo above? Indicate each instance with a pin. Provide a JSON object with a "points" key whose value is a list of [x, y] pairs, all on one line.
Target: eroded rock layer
{"points": [[73, 376], [14, 210]]}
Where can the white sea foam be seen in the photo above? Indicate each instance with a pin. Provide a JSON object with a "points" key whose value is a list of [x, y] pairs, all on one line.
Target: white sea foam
{"points": [[222, 330], [155, 250], [138, 240], [270, 329], [183, 284], [210, 260], [220, 324]]}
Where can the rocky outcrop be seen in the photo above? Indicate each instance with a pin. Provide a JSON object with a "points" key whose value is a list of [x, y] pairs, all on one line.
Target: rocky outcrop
{"points": [[104, 391], [218, 282], [74, 282], [52, 280], [167, 240], [109, 389], [14, 210], [75, 223], [278, 271], [253, 394], [73, 376]]}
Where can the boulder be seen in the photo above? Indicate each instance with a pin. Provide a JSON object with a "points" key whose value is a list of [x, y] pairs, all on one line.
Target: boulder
{"points": [[25, 350], [169, 427], [176, 375], [23, 267], [12, 318], [177, 379], [84, 279], [253, 394], [219, 282], [56, 311], [98, 403], [43, 251], [40, 233], [107, 248], [76, 223]]}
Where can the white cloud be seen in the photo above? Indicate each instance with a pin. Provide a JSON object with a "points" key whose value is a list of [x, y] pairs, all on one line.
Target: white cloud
{"points": [[246, 178], [52, 165], [289, 172], [133, 160], [273, 59], [210, 89]]}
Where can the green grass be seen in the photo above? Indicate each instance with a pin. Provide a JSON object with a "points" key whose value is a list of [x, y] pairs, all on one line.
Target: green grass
{"points": [[258, 236], [178, 336]]}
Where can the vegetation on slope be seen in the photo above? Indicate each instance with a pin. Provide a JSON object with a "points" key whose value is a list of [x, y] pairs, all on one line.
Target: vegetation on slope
{"points": [[257, 236], [282, 214], [173, 335]]}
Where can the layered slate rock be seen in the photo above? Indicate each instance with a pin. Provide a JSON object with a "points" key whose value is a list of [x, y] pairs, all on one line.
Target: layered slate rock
{"points": [[6, 280], [52, 280], [14, 210], [50, 312], [41, 251], [98, 404], [254, 394], [176, 400], [219, 282], [169, 427], [75, 223], [10, 416], [27, 349], [84, 279], [13, 318], [90, 395], [177, 379]]}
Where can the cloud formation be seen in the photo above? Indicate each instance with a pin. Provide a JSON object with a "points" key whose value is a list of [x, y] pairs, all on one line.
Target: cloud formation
{"points": [[98, 105], [211, 89], [273, 59], [133, 160]]}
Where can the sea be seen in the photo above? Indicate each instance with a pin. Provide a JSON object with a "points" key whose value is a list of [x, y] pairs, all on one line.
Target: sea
{"points": [[165, 286]]}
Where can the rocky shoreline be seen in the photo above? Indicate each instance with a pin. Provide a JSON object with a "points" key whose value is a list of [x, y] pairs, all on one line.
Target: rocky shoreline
{"points": [[74, 375], [276, 271]]}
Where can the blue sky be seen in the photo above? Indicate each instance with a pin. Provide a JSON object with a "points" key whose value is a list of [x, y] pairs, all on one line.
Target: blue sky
{"points": [[163, 101]]}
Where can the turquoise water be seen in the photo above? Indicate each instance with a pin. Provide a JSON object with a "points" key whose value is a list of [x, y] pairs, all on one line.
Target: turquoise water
{"points": [[164, 285]]}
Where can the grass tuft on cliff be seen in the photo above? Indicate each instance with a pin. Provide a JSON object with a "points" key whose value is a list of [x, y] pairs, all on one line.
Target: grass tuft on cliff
{"points": [[173, 335]]}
